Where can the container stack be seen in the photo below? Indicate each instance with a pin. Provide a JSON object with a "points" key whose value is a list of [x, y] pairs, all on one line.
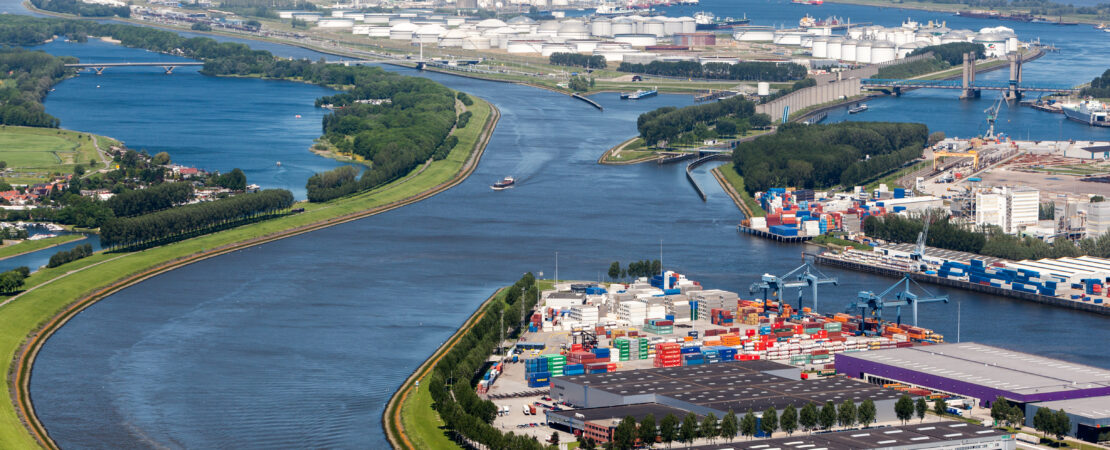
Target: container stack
{"points": [[668, 354], [659, 326], [581, 358], [721, 317], [574, 369], [601, 354], [555, 364], [623, 347], [680, 311], [633, 311], [692, 356], [536, 373], [710, 355]]}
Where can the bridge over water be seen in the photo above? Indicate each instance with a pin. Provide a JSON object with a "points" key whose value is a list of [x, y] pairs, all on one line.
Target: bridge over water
{"points": [[969, 88], [168, 66]]}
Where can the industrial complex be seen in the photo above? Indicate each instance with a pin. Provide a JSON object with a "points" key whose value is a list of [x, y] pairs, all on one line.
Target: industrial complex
{"points": [[942, 436]]}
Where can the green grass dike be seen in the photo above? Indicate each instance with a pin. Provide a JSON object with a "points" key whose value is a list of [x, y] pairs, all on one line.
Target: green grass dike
{"points": [[733, 184], [53, 296], [28, 246]]}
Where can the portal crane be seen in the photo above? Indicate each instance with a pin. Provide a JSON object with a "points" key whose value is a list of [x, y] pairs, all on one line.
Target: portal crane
{"points": [[918, 253], [807, 275], [868, 301]]}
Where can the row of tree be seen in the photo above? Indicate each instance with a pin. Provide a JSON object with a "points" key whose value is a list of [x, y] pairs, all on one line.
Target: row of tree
{"points": [[64, 256], [12, 280], [952, 53], [577, 60], [135, 202], [747, 71], [912, 69], [816, 156], [192, 219], [1099, 87], [26, 78], [83, 9], [636, 269], [669, 124], [453, 377]]}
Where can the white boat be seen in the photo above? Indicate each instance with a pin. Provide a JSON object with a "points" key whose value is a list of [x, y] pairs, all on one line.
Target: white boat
{"points": [[1090, 112], [607, 9], [860, 107]]}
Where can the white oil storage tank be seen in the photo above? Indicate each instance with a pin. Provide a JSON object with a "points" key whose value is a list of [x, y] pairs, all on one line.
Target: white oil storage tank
{"points": [[476, 43], [863, 52], [655, 26], [821, 47], [763, 88], [848, 50], [622, 25], [882, 51], [671, 26], [753, 34], [402, 31], [636, 39], [834, 47], [904, 50], [602, 28], [689, 25]]}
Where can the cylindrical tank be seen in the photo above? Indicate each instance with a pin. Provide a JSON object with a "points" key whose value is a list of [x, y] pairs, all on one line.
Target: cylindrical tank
{"points": [[855, 33], [788, 38], [584, 45], [380, 32], [848, 50], [882, 51], [550, 48], [672, 26], [398, 20], [476, 43], [655, 27], [754, 34], [601, 28], [636, 40], [834, 47], [763, 88], [689, 25], [863, 52], [623, 27], [402, 31], [376, 19], [821, 47]]}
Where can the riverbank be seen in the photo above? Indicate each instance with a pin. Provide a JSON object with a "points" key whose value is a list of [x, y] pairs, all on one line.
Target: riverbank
{"points": [[28, 246], [615, 155], [953, 7], [733, 185], [56, 295]]}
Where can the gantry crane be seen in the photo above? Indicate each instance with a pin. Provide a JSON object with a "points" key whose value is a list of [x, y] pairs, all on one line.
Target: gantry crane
{"points": [[805, 275], [869, 302]]}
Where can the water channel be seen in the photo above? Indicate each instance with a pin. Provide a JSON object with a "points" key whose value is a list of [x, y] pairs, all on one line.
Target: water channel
{"points": [[299, 343]]}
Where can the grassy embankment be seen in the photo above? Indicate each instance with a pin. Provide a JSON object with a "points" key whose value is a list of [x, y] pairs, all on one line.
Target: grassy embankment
{"points": [[825, 239], [20, 248], [634, 150], [733, 184], [953, 7], [55, 295], [33, 154], [409, 418]]}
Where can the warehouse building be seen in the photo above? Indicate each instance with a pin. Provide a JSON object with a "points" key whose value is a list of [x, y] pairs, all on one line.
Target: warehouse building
{"points": [[1090, 417], [978, 371], [598, 423], [938, 435], [718, 388]]}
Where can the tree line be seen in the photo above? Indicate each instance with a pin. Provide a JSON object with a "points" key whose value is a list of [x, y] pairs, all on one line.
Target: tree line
{"points": [[12, 280], [816, 156], [952, 53], [26, 77], [636, 269], [141, 201], [746, 71], [79, 8], [912, 69], [64, 256], [1099, 87], [197, 218], [669, 124], [577, 60], [986, 241], [453, 377]]}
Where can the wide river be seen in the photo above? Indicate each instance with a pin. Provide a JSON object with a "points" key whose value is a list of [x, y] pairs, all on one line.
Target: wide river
{"points": [[300, 342]]}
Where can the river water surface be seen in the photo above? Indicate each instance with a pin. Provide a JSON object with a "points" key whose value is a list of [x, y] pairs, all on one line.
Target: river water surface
{"points": [[300, 342]]}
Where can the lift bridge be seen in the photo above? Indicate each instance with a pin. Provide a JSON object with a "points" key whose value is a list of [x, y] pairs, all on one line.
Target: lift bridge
{"points": [[969, 87]]}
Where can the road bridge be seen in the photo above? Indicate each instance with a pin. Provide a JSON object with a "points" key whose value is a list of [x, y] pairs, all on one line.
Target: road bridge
{"points": [[168, 66], [969, 87]]}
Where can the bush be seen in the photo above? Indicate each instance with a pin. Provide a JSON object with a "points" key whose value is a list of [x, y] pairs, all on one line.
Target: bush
{"points": [[953, 53], [749, 71], [64, 256], [577, 60], [465, 99]]}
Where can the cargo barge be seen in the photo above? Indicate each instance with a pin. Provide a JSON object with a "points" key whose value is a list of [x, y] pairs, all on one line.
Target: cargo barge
{"points": [[639, 94]]}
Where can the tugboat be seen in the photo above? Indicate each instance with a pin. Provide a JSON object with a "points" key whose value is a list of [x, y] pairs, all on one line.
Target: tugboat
{"points": [[860, 107], [505, 183]]}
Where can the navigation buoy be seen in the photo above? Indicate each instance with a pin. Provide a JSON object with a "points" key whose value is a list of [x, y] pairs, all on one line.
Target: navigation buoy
{"points": [[279, 163], [298, 116], [98, 86]]}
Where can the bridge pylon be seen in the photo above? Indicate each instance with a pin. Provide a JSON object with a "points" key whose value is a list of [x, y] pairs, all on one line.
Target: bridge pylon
{"points": [[969, 91], [1014, 91]]}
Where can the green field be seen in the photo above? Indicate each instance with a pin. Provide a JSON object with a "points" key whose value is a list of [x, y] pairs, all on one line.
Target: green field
{"points": [[9, 251], [33, 154], [59, 287], [737, 183]]}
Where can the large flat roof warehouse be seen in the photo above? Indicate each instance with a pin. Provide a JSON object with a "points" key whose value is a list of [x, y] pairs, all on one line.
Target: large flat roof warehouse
{"points": [[1096, 408], [980, 371], [930, 435], [947, 255], [638, 411]]}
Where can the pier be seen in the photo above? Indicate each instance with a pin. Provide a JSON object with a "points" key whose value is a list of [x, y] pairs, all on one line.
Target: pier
{"points": [[772, 236], [167, 66], [966, 285], [587, 100], [704, 159]]}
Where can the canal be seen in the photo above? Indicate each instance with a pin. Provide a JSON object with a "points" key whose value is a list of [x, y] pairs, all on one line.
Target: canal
{"points": [[300, 342]]}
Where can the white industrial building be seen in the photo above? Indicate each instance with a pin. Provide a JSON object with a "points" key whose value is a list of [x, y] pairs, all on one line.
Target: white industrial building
{"points": [[1098, 219], [1011, 209]]}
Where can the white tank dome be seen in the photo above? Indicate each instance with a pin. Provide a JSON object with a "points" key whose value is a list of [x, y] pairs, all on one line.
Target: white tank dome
{"points": [[550, 25], [572, 26], [431, 29], [492, 23], [521, 20], [404, 26]]}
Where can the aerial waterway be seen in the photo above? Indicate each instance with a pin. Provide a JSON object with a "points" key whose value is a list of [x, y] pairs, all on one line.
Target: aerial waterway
{"points": [[300, 342]]}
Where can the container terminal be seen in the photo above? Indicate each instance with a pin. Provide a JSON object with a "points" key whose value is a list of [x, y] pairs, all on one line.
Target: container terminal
{"points": [[594, 354]]}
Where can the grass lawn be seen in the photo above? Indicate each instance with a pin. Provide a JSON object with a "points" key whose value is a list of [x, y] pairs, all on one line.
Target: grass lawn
{"points": [[42, 151], [81, 278], [9, 251], [737, 183], [421, 423], [628, 155], [826, 239]]}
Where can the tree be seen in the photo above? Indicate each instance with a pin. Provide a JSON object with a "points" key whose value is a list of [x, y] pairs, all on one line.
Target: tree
{"points": [[78, 170], [726, 128], [846, 414], [1016, 416], [903, 408], [668, 428], [586, 443], [235, 180], [730, 425], [1043, 421], [789, 420], [1061, 424], [161, 158], [770, 421], [935, 137], [1097, 199], [648, 429], [760, 120], [940, 406], [866, 413], [921, 407], [614, 270], [709, 428], [689, 429], [827, 417], [808, 417], [554, 438], [748, 424], [624, 437]]}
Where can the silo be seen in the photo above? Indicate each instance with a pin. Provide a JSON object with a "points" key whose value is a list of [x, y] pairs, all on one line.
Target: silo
{"points": [[821, 47], [848, 50], [655, 26], [863, 52], [763, 88], [689, 25], [601, 28], [855, 33], [672, 26], [834, 48], [882, 51], [622, 25], [904, 50]]}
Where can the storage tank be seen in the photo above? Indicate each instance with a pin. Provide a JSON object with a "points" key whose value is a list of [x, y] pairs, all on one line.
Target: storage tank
{"points": [[848, 50], [623, 25], [763, 88], [396, 20], [855, 33], [379, 32], [584, 45], [754, 34], [834, 47], [863, 52], [361, 29], [821, 47], [671, 26], [573, 29], [994, 43], [524, 46], [689, 25], [654, 26], [476, 43], [491, 24], [636, 39], [882, 51], [788, 37], [904, 50], [552, 47], [376, 18], [453, 38], [402, 31], [601, 28], [548, 28]]}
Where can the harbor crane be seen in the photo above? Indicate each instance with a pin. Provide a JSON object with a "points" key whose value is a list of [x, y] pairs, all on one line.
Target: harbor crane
{"points": [[918, 254], [992, 116], [805, 275], [870, 302]]}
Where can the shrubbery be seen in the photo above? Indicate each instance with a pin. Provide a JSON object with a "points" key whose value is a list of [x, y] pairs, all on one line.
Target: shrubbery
{"points": [[748, 71], [64, 256]]}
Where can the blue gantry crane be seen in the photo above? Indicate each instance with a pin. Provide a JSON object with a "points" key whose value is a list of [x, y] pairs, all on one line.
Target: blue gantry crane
{"points": [[805, 275], [870, 303]]}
